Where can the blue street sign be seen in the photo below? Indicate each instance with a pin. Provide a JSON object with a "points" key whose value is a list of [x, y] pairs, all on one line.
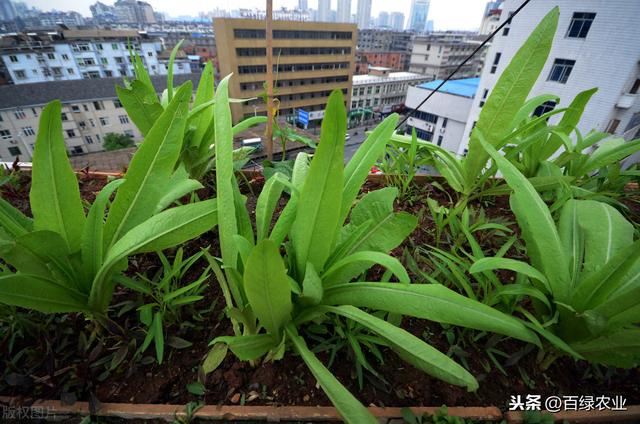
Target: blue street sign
{"points": [[303, 116]]}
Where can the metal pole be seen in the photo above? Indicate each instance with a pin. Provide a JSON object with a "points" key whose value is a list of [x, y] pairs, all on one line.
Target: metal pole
{"points": [[269, 45]]}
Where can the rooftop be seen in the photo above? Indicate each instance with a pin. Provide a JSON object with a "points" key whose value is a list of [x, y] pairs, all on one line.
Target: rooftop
{"points": [[466, 87], [23, 95], [390, 77]]}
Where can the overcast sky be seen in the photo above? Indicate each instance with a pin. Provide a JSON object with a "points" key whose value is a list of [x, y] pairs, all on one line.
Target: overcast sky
{"points": [[446, 14]]}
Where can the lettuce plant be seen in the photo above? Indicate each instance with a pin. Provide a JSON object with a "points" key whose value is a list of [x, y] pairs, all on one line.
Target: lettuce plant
{"points": [[584, 276], [66, 261], [299, 270], [143, 106]]}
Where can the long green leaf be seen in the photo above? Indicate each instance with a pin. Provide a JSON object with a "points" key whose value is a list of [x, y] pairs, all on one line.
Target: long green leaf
{"points": [[538, 228], [363, 159], [510, 93], [248, 347], [353, 265], [352, 411], [428, 301], [55, 196], [491, 264], [172, 58], [266, 204], [410, 348], [14, 221], [267, 287], [150, 169], [141, 104], [33, 292], [315, 228]]}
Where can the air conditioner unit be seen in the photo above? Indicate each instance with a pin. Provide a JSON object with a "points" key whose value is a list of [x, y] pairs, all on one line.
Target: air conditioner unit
{"points": [[442, 130]]}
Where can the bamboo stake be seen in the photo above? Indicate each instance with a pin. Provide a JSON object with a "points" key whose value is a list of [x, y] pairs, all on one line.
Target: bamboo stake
{"points": [[269, 42]]}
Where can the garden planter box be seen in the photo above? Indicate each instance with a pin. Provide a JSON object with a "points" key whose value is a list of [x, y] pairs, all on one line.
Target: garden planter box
{"points": [[289, 413]]}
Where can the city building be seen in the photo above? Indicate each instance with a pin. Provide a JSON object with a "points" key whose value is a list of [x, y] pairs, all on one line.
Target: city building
{"points": [[8, 10], [396, 61], [418, 15], [438, 54], [382, 90], [343, 13], [383, 20], [79, 54], [595, 45], [363, 15], [310, 60], [396, 21], [490, 17], [376, 40], [90, 111], [324, 10], [124, 11], [54, 18], [443, 119], [303, 5], [103, 13]]}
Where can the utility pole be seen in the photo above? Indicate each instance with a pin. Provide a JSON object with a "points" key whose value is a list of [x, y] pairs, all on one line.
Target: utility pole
{"points": [[270, 112]]}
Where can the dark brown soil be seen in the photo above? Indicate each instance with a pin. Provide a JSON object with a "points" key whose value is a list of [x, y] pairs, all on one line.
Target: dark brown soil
{"points": [[48, 363]]}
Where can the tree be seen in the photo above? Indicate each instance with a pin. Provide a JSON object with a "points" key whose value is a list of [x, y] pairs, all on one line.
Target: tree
{"points": [[113, 141]]}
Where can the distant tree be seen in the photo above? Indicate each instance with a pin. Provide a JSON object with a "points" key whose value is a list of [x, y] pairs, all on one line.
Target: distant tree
{"points": [[113, 141]]}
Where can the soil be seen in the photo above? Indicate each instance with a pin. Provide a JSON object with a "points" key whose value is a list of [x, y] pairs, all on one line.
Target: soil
{"points": [[49, 361]]}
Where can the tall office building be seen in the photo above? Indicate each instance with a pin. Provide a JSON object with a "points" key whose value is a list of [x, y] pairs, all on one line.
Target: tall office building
{"points": [[595, 45], [303, 5], [364, 14], [7, 10], [313, 59], [344, 11], [324, 10], [418, 16], [383, 20], [396, 21]]}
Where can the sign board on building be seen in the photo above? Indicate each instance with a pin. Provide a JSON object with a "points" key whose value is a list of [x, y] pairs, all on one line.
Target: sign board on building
{"points": [[319, 114], [303, 116]]}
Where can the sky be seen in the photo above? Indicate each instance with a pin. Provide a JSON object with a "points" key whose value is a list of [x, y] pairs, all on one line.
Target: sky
{"points": [[446, 14]]}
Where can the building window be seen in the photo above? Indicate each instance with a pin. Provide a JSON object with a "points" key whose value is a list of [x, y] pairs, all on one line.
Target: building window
{"points": [[99, 46], [444, 123], [20, 74], [484, 96], [117, 104], [13, 58], [98, 105], [64, 116], [76, 150], [150, 54], [635, 87], [51, 56], [71, 133], [88, 139], [440, 137], [92, 123], [613, 126], [108, 74], [82, 125], [114, 46], [505, 31], [119, 60], [75, 108], [496, 60], [19, 114], [544, 108], [124, 119], [28, 131], [580, 24], [65, 57], [5, 134], [104, 121], [71, 71], [14, 151], [104, 60], [128, 132], [57, 71], [561, 70]]}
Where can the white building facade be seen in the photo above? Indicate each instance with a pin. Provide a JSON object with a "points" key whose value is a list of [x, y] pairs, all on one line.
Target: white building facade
{"points": [[382, 90], [443, 118], [82, 55], [596, 45]]}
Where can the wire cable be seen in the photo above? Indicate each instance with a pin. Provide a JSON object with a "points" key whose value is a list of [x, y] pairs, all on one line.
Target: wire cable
{"points": [[477, 49]]}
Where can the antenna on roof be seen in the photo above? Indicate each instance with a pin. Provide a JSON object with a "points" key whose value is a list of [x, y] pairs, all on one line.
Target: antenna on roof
{"points": [[477, 49]]}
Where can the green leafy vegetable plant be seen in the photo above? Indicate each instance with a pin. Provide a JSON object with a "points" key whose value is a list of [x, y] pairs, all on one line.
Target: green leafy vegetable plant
{"points": [[66, 261], [584, 276], [271, 298], [143, 106]]}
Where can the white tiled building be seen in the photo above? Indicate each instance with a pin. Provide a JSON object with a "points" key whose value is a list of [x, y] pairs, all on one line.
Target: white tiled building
{"points": [[597, 44], [79, 54], [382, 90]]}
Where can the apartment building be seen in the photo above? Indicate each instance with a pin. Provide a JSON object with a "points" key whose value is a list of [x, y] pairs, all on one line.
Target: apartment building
{"points": [[595, 45], [443, 119], [382, 90], [438, 54], [378, 40], [80, 54], [395, 60], [310, 60], [90, 111]]}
